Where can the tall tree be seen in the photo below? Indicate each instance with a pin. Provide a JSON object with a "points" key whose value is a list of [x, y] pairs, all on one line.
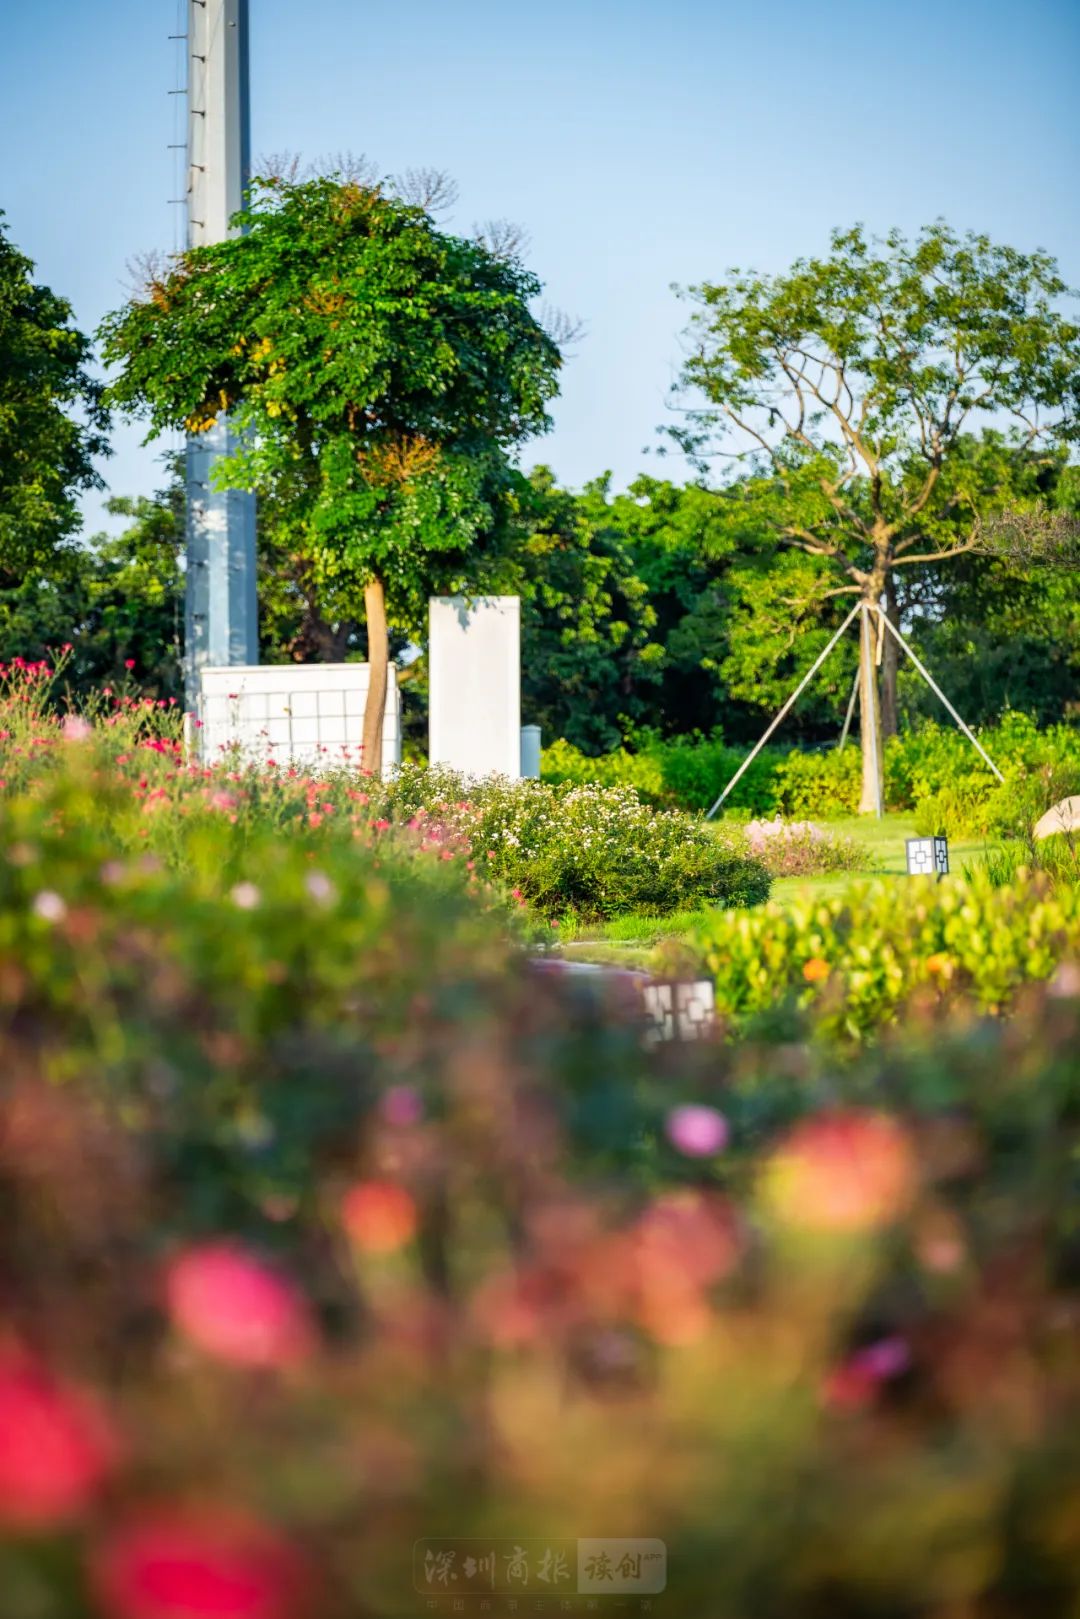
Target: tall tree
{"points": [[851, 384], [52, 421], [381, 372], [590, 662]]}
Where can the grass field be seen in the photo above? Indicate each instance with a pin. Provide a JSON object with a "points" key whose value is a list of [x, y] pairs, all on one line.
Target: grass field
{"points": [[629, 940]]}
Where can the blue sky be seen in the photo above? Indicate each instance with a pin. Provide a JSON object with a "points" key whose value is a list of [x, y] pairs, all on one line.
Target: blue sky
{"points": [[638, 146]]}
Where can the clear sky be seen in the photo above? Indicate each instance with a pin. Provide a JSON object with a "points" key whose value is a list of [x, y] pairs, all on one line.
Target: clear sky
{"points": [[638, 145]]}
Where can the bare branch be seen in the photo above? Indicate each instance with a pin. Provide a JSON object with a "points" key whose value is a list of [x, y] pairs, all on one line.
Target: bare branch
{"points": [[1037, 538], [565, 330], [285, 167], [502, 238], [147, 271], [434, 190]]}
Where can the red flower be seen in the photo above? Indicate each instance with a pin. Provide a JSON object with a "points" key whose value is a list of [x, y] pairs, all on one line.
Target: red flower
{"points": [[232, 1305], [129, 663], [56, 1447], [180, 1565]]}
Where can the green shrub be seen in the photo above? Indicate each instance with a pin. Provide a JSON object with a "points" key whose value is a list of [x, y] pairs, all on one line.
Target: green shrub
{"points": [[932, 772], [853, 961]]}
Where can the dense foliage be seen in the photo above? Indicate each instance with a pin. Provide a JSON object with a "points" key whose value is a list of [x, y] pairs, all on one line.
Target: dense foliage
{"points": [[932, 770], [52, 423]]}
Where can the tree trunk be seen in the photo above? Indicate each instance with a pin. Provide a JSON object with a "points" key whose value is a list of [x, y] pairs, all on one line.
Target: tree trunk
{"points": [[890, 665], [869, 716], [378, 673]]}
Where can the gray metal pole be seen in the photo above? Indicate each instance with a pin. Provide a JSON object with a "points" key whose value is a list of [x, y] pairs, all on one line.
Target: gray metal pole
{"points": [[221, 619], [799, 689]]}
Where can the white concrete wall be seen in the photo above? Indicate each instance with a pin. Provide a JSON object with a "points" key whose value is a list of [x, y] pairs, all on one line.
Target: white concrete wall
{"points": [[474, 660], [305, 714]]}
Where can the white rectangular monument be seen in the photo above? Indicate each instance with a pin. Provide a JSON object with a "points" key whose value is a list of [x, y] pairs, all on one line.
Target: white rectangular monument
{"points": [[308, 714], [474, 661]]}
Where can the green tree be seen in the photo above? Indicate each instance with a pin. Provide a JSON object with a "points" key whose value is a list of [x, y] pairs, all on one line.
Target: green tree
{"points": [[380, 372], [52, 421], [117, 600], [590, 665], [851, 384]]}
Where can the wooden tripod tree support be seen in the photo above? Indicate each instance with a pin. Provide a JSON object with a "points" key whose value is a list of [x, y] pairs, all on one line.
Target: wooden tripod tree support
{"points": [[866, 629]]}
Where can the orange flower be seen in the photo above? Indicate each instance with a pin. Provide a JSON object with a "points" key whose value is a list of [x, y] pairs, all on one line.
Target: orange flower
{"points": [[815, 970], [846, 1171], [940, 964], [378, 1216]]}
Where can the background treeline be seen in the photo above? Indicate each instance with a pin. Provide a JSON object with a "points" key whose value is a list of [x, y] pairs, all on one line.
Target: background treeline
{"points": [[657, 611]]}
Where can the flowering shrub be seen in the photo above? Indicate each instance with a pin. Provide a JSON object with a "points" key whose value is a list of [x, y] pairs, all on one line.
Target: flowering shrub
{"points": [[801, 848], [591, 851], [854, 960]]}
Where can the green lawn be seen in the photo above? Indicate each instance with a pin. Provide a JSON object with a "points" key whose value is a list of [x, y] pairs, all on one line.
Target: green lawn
{"points": [[629, 940]]}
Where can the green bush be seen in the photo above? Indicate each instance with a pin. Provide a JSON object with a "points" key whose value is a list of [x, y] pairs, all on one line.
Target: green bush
{"points": [[932, 772], [854, 961]]}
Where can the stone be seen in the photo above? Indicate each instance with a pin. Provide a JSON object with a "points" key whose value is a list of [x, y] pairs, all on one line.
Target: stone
{"points": [[1063, 817]]}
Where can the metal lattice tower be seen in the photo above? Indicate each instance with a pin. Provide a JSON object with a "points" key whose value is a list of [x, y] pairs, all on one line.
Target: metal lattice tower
{"points": [[221, 621]]}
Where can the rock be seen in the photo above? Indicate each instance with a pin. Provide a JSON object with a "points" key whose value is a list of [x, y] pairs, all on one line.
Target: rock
{"points": [[1063, 817]]}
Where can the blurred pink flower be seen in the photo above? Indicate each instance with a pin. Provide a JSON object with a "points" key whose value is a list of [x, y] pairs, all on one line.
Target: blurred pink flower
{"points": [[697, 1131], [855, 1383], [231, 1304], [56, 1447], [75, 728], [177, 1564], [401, 1106]]}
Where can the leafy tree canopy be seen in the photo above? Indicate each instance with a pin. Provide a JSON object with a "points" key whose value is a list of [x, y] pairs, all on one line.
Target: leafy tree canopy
{"points": [[52, 422], [851, 384], [380, 372]]}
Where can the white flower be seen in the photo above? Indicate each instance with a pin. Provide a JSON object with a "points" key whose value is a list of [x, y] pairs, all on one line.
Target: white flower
{"points": [[49, 906], [320, 887], [246, 896]]}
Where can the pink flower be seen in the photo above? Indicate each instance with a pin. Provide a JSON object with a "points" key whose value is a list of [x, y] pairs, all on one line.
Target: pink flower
{"points": [[56, 1447], [230, 1303], [401, 1105], [697, 1131], [129, 663], [179, 1564], [75, 728], [855, 1383], [245, 896]]}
